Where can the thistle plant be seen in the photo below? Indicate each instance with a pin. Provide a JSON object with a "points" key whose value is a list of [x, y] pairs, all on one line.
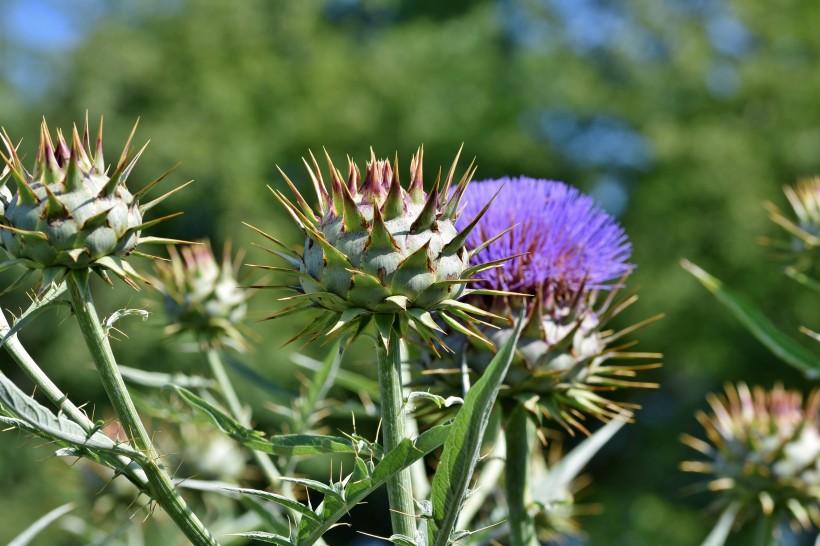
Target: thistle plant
{"points": [[377, 253], [70, 216], [762, 453], [565, 252]]}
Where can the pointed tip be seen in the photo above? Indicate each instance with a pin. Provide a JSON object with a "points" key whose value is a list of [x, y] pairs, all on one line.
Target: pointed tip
{"points": [[427, 216], [448, 182]]}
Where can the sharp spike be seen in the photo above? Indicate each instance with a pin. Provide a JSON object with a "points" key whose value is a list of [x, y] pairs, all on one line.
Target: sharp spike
{"points": [[299, 199], [335, 187], [62, 148], [416, 189], [451, 209], [73, 179], [24, 192], [449, 180], [54, 208], [353, 176], [154, 222], [380, 238], [318, 187], [459, 240], [86, 134], [139, 195], [151, 204], [412, 268], [99, 160], [353, 219], [127, 148], [427, 216], [394, 204]]}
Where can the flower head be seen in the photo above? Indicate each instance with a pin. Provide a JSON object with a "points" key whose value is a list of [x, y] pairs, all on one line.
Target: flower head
{"points": [[804, 226], [377, 253], [72, 212], [561, 238], [566, 251], [763, 451], [202, 295]]}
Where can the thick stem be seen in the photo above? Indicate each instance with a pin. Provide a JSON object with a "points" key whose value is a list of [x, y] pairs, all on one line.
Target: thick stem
{"points": [[517, 435], [163, 490], [235, 406], [400, 486]]}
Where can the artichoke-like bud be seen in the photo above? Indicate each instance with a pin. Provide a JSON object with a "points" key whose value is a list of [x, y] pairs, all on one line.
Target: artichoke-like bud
{"points": [[202, 295], [375, 252], [566, 253], [803, 226], [763, 452], [72, 212]]}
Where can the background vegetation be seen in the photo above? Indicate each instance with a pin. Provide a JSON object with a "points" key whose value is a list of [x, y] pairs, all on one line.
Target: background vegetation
{"points": [[681, 116]]}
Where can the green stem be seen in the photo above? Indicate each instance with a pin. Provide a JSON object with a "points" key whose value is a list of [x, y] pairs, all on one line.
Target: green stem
{"points": [[517, 435], [163, 490], [400, 486], [235, 406]]}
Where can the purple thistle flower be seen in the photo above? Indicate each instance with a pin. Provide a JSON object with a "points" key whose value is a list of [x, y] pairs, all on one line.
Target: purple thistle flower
{"points": [[566, 240]]}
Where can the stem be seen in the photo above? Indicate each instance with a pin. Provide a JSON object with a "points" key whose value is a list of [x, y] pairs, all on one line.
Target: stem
{"points": [[162, 489], [60, 400], [400, 486], [235, 406], [517, 434]]}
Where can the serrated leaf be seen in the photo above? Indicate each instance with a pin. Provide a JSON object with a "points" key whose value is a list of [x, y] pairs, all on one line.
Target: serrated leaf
{"points": [[461, 450], [781, 345]]}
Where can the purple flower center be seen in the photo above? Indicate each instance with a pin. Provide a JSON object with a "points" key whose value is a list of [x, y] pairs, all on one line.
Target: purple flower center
{"points": [[566, 240]]}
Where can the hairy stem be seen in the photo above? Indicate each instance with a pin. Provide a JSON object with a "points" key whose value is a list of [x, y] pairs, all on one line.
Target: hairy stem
{"points": [[517, 435], [270, 471], [400, 486], [162, 489]]}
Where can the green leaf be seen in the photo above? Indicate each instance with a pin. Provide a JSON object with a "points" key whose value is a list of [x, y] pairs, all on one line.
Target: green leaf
{"points": [[781, 345], [159, 379], [286, 445], [37, 306], [35, 528], [288, 503], [351, 381], [461, 450], [321, 382], [270, 538], [20, 410]]}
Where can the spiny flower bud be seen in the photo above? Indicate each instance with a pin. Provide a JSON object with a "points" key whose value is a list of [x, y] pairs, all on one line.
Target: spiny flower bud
{"points": [[565, 252], [202, 295], [71, 213], [763, 451], [804, 227], [375, 252]]}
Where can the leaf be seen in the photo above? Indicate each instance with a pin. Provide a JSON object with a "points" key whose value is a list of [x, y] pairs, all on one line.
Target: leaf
{"points": [[35, 528], [37, 306], [260, 381], [351, 381], [288, 503], [320, 383], [24, 412], [559, 477], [781, 345], [159, 379], [462, 448], [286, 445], [439, 401], [270, 538], [723, 527]]}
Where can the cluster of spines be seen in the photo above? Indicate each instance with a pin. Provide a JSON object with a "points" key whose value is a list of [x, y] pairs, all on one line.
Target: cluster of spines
{"points": [[382, 188], [64, 166], [741, 430]]}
